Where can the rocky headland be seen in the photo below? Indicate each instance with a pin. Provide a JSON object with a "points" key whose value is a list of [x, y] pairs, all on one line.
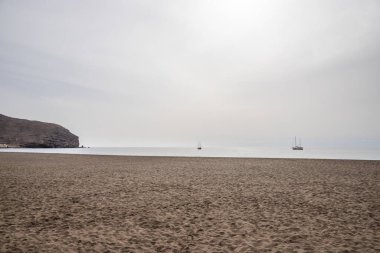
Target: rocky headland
{"points": [[34, 134]]}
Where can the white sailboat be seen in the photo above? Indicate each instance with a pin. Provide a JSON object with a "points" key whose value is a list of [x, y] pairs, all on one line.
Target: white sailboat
{"points": [[297, 147], [199, 146]]}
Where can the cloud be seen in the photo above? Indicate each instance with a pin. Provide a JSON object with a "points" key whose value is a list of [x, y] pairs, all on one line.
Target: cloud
{"points": [[226, 72]]}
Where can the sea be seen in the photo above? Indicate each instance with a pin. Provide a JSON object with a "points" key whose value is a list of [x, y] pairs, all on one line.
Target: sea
{"points": [[248, 152]]}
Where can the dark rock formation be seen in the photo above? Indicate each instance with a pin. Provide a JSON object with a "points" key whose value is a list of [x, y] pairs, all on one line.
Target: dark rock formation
{"points": [[35, 134]]}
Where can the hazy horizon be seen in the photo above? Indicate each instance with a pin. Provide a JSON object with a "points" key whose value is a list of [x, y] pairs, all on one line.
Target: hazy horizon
{"points": [[172, 73]]}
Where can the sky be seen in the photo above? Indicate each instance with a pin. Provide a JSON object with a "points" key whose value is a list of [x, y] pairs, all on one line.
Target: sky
{"points": [[175, 72]]}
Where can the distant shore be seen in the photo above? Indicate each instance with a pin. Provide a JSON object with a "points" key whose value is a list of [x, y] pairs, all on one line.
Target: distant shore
{"points": [[31, 148], [59, 202]]}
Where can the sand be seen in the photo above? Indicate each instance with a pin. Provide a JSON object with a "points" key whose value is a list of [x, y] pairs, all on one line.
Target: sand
{"points": [[79, 203]]}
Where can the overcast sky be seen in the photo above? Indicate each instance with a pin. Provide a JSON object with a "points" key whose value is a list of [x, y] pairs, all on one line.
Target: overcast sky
{"points": [[172, 73]]}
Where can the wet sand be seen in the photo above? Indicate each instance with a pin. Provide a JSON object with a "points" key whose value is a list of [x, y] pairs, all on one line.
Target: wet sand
{"points": [[79, 203]]}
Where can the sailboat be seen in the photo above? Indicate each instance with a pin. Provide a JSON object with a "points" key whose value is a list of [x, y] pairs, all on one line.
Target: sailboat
{"points": [[199, 146], [297, 147]]}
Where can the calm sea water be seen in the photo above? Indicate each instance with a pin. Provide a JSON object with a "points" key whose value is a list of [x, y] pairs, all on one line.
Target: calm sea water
{"points": [[262, 152]]}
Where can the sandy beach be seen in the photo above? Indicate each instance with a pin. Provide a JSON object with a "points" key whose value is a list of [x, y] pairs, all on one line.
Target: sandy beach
{"points": [[79, 203]]}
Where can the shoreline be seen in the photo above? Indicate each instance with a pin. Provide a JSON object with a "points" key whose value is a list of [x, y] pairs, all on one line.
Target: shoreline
{"points": [[63, 202], [174, 156]]}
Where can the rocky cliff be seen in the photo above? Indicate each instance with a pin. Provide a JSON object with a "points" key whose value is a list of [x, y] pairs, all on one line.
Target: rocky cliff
{"points": [[35, 134]]}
